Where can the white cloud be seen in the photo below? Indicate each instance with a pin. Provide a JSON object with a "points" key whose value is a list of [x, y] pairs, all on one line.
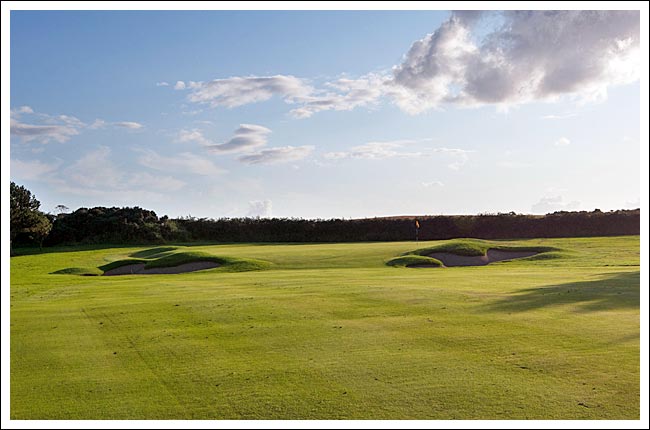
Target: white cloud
{"points": [[511, 164], [277, 155], [45, 128], [392, 149], [95, 170], [528, 56], [95, 174], [247, 137], [42, 133], [238, 91], [533, 55], [560, 116], [350, 94], [32, 170], [68, 120], [184, 162], [162, 84], [97, 124], [185, 136], [180, 85], [260, 208], [374, 151], [23, 109], [562, 141], [550, 204], [432, 67], [128, 124], [459, 162], [433, 184], [151, 182]]}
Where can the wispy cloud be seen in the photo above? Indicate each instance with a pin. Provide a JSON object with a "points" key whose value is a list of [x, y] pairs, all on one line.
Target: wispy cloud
{"points": [[511, 164], [346, 94], [21, 109], [195, 135], [131, 125], [393, 149], [44, 128], [32, 170], [432, 184], [562, 141], [96, 175], [42, 133], [277, 155], [375, 151], [184, 162], [162, 84], [180, 85], [95, 169], [560, 116], [260, 208], [97, 124], [238, 91], [555, 203], [247, 137]]}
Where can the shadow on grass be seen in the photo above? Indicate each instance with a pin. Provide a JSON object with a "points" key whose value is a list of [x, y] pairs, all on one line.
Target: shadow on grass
{"points": [[612, 291]]}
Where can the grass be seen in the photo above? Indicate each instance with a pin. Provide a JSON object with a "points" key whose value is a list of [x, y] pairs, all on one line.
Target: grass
{"points": [[80, 271], [172, 256], [413, 260], [328, 331], [476, 248]]}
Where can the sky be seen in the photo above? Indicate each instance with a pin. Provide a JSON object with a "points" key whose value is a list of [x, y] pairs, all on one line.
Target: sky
{"points": [[327, 114]]}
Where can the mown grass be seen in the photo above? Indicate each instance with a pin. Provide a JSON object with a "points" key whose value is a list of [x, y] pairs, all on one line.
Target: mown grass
{"points": [[328, 331]]}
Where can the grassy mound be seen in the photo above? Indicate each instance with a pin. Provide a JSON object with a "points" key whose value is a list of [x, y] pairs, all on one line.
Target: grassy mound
{"points": [[466, 248], [120, 263], [475, 248], [413, 260], [228, 264], [169, 258], [157, 252], [80, 271]]}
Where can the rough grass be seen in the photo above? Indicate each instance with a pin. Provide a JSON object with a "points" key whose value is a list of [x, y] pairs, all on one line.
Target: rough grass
{"points": [[330, 332], [413, 260]]}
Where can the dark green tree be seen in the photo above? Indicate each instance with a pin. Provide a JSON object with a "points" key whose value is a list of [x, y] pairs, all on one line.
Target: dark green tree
{"points": [[25, 216]]}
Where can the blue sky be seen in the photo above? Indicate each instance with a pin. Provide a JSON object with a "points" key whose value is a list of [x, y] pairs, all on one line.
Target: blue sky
{"points": [[326, 114]]}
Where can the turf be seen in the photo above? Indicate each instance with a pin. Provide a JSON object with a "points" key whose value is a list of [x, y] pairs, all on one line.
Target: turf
{"points": [[413, 260], [172, 256], [476, 248], [329, 331]]}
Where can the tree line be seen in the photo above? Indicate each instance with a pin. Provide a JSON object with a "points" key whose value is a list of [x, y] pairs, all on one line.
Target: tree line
{"points": [[103, 225]]}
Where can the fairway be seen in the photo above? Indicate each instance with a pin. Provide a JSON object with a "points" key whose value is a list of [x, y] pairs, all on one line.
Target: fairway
{"points": [[329, 331]]}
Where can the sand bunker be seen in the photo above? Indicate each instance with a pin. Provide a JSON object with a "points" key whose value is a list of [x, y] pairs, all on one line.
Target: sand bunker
{"points": [[138, 269], [493, 255]]}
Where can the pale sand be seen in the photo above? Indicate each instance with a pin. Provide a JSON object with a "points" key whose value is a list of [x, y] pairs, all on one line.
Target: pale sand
{"points": [[138, 269], [493, 255]]}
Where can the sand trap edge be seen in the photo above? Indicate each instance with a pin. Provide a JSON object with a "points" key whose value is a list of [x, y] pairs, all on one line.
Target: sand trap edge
{"points": [[493, 255], [139, 269]]}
